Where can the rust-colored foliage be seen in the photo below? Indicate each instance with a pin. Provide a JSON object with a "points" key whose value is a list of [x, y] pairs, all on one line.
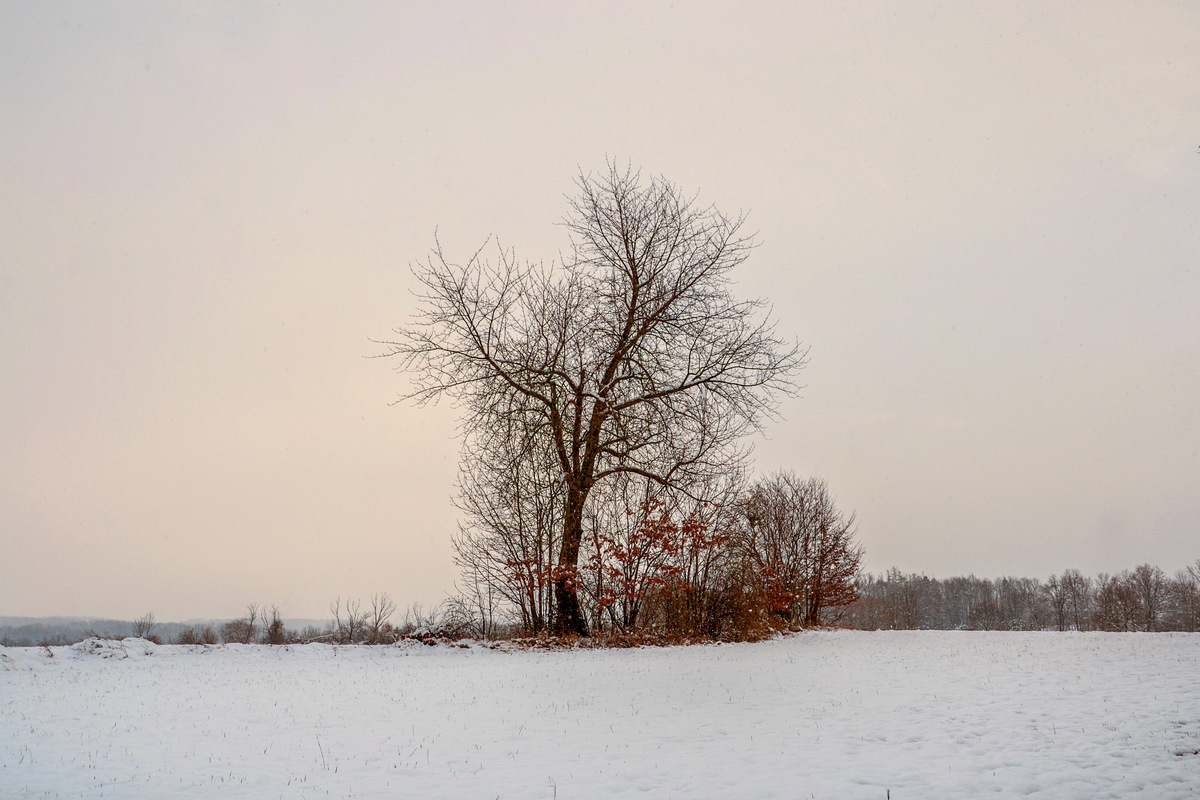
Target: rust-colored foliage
{"points": [[654, 558]]}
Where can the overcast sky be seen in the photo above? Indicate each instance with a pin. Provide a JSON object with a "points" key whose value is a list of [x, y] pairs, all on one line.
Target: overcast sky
{"points": [[981, 218]]}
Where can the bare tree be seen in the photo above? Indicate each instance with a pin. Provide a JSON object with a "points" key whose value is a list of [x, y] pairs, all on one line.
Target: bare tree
{"points": [[349, 620], [143, 627], [631, 562], [1078, 590], [339, 627], [1152, 588], [486, 603], [274, 631], [415, 619], [1057, 594], [244, 629], [1117, 605], [1186, 598], [512, 496], [774, 543], [899, 601], [631, 357], [708, 595], [382, 607], [834, 560]]}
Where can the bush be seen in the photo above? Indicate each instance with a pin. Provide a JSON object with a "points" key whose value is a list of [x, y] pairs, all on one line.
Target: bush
{"points": [[200, 634]]}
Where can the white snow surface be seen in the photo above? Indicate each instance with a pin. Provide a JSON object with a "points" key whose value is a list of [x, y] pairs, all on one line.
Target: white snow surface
{"points": [[917, 714]]}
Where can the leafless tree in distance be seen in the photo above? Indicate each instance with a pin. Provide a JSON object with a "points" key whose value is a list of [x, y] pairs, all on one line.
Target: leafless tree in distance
{"points": [[1078, 590], [632, 356], [243, 630], [1057, 595], [143, 627], [1187, 597], [1152, 587], [350, 621], [274, 631], [382, 607]]}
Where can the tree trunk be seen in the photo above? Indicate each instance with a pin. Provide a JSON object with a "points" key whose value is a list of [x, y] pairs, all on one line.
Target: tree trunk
{"points": [[569, 619]]}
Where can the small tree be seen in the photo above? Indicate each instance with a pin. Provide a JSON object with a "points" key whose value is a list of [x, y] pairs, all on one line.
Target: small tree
{"points": [[244, 629], [706, 596], [143, 627], [350, 621], [633, 564], [274, 631], [506, 547], [800, 547], [382, 607]]}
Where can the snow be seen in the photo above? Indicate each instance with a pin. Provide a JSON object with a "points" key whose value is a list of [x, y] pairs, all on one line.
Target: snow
{"points": [[843, 714]]}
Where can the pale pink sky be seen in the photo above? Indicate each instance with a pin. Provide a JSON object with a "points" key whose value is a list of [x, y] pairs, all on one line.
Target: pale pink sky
{"points": [[982, 217]]}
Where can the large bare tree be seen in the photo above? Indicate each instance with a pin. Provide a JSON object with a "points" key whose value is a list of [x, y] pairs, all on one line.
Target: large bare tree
{"points": [[632, 356]]}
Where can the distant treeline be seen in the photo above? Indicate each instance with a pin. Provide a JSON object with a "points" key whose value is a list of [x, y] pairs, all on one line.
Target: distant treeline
{"points": [[352, 623], [55, 632], [1143, 599]]}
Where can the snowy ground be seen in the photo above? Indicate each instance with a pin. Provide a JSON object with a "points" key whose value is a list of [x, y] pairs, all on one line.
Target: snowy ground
{"points": [[826, 715]]}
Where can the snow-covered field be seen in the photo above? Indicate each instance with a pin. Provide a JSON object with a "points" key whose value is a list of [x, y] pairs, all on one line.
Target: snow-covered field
{"points": [[826, 715]]}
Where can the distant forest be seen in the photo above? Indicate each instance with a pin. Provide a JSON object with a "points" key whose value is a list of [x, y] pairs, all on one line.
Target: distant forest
{"points": [[1144, 599]]}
